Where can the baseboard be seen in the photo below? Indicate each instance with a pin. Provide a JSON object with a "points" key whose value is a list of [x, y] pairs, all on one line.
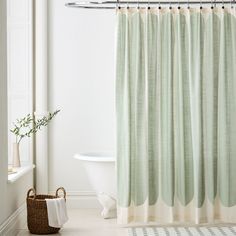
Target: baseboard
{"points": [[15, 222], [81, 199]]}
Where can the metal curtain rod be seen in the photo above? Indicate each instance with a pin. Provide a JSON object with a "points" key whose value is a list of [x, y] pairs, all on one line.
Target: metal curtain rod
{"points": [[112, 4]]}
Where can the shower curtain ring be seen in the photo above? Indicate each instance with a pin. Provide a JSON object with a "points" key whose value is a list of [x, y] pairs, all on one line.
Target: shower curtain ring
{"points": [[201, 4], [159, 5], [188, 5], [118, 4], [223, 4], [127, 5], [148, 6], [170, 7], [178, 5]]}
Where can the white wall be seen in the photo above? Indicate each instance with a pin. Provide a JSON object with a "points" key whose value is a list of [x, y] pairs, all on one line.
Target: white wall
{"points": [[82, 85], [3, 108], [12, 194]]}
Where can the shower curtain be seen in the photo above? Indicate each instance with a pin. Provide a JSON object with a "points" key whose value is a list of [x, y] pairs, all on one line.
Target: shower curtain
{"points": [[176, 115]]}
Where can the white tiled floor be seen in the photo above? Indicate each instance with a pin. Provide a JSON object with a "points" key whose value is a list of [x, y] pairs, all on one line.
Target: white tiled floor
{"points": [[87, 222]]}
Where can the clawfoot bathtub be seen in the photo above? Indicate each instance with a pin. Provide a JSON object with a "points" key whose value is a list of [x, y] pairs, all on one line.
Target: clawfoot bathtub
{"points": [[100, 168]]}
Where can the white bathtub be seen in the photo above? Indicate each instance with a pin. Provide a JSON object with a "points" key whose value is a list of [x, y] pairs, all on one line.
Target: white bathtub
{"points": [[100, 168]]}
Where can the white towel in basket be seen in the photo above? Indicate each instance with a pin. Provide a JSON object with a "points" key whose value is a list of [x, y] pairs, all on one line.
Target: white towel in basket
{"points": [[57, 213]]}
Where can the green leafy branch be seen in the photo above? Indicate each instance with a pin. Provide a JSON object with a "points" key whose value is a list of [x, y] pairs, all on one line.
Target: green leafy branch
{"points": [[27, 125]]}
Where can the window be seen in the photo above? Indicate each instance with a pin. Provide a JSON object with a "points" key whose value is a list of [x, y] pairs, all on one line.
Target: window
{"points": [[20, 71]]}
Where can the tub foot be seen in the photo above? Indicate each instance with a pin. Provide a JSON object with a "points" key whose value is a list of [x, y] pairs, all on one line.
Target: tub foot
{"points": [[109, 205]]}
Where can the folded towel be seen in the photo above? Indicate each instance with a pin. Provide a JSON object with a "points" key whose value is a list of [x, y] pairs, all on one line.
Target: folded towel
{"points": [[57, 213]]}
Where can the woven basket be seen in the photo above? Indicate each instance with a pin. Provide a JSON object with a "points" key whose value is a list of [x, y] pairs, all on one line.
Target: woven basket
{"points": [[37, 215]]}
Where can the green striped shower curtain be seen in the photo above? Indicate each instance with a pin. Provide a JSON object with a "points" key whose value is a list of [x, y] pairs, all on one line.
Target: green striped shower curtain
{"points": [[176, 115]]}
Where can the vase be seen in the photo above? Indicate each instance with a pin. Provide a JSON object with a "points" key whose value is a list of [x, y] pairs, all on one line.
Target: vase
{"points": [[16, 155]]}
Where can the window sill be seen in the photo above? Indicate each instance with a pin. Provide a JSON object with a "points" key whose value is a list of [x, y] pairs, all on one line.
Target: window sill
{"points": [[20, 172]]}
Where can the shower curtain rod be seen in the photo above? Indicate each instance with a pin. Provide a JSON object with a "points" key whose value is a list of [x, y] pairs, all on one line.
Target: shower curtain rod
{"points": [[110, 4]]}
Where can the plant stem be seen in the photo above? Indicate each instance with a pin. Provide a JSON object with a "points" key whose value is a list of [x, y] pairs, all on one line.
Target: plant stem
{"points": [[27, 126], [20, 140]]}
